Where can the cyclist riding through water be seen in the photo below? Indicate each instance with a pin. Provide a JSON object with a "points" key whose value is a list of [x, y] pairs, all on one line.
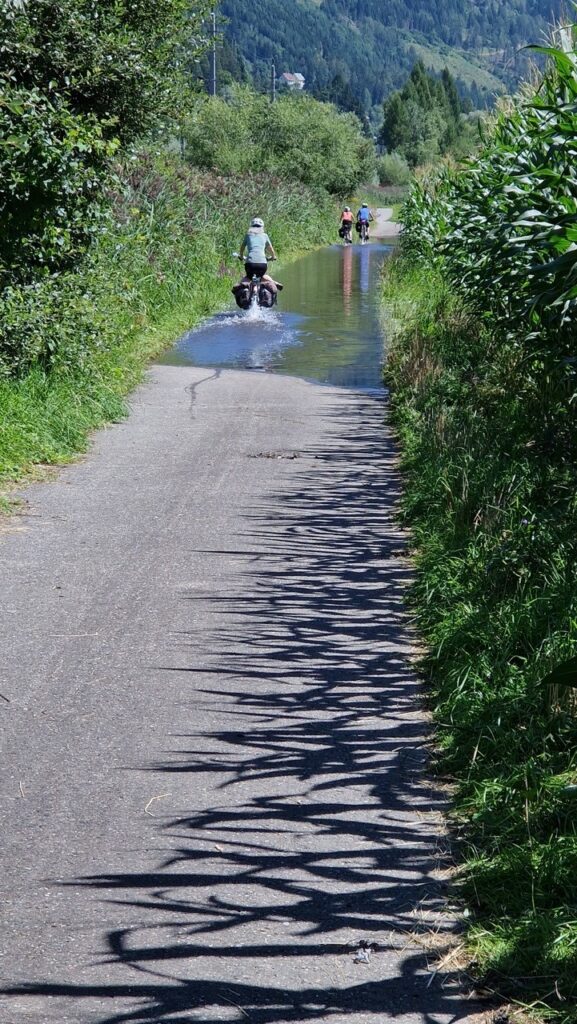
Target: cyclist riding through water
{"points": [[257, 243], [364, 218], [345, 230], [259, 249]]}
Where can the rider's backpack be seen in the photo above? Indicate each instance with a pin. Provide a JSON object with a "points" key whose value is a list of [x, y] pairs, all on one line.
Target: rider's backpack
{"points": [[241, 293], [267, 296]]}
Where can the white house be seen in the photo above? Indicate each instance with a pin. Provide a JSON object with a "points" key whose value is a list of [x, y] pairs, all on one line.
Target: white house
{"points": [[288, 80]]}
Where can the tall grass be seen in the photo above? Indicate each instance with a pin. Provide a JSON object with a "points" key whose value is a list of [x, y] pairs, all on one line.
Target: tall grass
{"points": [[164, 263], [482, 371]]}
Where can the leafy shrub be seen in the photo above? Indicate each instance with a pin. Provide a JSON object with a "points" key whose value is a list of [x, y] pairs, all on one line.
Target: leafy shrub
{"points": [[77, 79], [393, 169], [53, 164], [123, 64], [296, 138]]}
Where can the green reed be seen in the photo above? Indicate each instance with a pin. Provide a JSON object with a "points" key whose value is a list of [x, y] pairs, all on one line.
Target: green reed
{"points": [[483, 312]]}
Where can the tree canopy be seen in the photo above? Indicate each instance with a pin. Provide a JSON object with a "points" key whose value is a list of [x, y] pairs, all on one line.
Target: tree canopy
{"points": [[77, 80], [297, 138], [423, 120]]}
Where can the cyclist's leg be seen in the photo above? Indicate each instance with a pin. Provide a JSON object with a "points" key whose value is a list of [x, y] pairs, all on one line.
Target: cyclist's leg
{"points": [[255, 269]]}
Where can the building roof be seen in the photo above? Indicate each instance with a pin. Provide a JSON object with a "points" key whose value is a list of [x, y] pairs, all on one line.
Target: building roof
{"points": [[292, 79]]}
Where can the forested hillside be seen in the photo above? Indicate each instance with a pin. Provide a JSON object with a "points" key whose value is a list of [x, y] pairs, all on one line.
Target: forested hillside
{"points": [[355, 52]]}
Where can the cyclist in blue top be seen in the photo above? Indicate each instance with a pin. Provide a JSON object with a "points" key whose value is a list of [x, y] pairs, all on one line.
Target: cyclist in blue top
{"points": [[364, 216]]}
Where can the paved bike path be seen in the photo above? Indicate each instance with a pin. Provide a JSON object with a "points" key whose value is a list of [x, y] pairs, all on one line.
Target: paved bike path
{"points": [[213, 782], [384, 227]]}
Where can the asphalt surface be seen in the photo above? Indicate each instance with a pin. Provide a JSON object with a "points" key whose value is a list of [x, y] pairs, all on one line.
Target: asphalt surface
{"points": [[384, 227], [214, 780]]}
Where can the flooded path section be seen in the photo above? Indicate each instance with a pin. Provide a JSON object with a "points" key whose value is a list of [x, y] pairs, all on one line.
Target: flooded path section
{"points": [[325, 328]]}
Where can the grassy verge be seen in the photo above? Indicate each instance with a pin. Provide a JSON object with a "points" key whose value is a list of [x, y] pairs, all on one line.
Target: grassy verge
{"points": [[493, 516], [163, 264], [380, 196]]}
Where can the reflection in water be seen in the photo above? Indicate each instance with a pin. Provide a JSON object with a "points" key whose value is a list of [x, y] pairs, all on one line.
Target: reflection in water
{"points": [[347, 268], [326, 327], [365, 264]]}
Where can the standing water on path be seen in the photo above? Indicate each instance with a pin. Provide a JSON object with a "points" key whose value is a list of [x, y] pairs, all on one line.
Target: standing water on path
{"points": [[325, 327]]}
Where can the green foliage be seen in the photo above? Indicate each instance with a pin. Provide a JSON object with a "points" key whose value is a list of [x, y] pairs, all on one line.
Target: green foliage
{"points": [[393, 169], [77, 79], [424, 120], [485, 398], [296, 138], [52, 167], [122, 63], [505, 228]]}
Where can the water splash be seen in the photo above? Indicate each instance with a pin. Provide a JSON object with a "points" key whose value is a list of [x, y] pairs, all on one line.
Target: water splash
{"points": [[257, 314], [326, 326]]}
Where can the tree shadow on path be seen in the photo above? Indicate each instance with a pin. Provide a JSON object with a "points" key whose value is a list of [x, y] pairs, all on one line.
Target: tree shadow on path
{"points": [[312, 823]]}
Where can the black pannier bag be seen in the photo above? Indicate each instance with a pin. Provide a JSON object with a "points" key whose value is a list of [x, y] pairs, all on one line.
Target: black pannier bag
{"points": [[267, 295], [241, 293], [342, 231]]}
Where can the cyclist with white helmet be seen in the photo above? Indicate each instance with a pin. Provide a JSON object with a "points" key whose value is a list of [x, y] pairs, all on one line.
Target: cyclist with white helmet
{"points": [[345, 230], [364, 218], [257, 244]]}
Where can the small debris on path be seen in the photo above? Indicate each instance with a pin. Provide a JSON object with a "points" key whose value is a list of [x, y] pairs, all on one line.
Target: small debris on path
{"points": [[363, 952], [276, 455]]}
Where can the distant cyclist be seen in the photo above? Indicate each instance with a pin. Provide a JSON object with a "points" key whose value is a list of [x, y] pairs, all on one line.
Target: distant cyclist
{"points": [[364, 218], [347, 224]]}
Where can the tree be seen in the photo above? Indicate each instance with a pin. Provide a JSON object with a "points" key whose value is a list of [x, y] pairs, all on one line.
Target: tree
{"points": [[122, 62], [423, 120], [297, 138], [78, 79]]}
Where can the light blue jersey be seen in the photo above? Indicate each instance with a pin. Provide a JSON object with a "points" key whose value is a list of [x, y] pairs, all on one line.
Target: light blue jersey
{"points": [[255, 244]]}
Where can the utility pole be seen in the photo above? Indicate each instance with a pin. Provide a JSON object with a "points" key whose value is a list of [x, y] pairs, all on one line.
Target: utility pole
{"points": [[272, 82], [213, 82]]}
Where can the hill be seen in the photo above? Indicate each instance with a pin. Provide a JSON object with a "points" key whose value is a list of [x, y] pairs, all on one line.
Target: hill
{"points": [[355, 52]]}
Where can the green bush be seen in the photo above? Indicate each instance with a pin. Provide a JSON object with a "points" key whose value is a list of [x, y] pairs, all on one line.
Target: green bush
{"points": [[76, 81], [393, 169], [123, 64], [296, 138], [53, 165]]}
